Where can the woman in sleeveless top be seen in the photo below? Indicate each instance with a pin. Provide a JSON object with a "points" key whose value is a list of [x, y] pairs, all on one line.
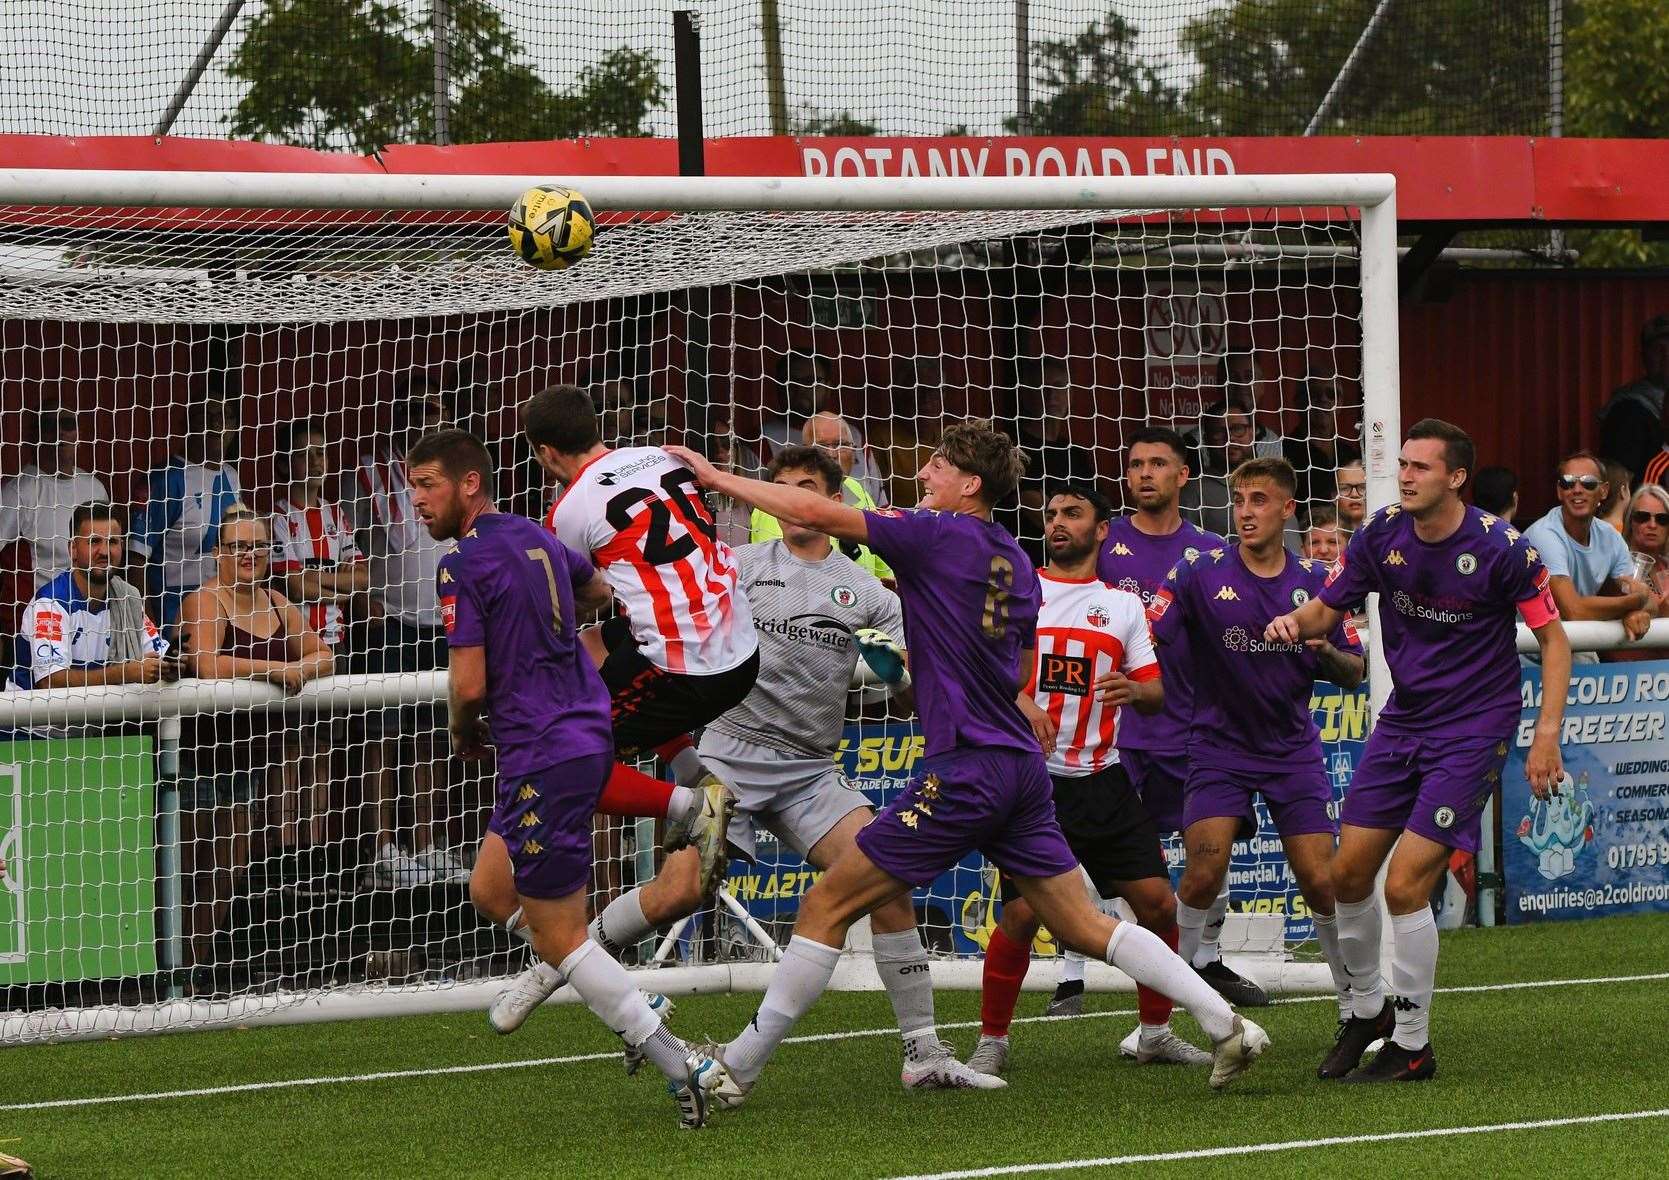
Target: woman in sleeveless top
{"points": [[236, 627]]}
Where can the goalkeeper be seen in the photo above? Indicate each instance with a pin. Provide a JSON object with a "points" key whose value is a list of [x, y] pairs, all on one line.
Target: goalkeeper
{"points": [[821, 619]]}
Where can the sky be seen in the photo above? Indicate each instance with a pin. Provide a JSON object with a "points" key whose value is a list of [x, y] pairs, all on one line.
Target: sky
{"points": [[912, 66]]}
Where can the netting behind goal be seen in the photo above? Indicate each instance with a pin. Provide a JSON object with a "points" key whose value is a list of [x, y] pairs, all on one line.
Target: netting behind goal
{"points": [[249, 842]]}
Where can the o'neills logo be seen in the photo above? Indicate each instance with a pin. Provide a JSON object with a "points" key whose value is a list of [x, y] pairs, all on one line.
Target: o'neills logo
{"points": [[1438, 611], [1238, 639]]}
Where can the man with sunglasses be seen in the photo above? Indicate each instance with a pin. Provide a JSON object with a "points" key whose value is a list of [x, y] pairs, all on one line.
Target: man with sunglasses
{"points": [[1593, 575]]}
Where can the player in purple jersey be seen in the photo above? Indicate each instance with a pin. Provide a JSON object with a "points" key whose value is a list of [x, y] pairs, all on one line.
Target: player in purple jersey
{"points": [[970, 618], [1140, 550], [519, 680], [1253, 732], [1452, 583]]}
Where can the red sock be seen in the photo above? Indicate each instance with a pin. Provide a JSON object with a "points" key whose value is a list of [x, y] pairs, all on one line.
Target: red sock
{"points": [[1006, 962], [631, 792], [674, 748], [1151, 1007]]}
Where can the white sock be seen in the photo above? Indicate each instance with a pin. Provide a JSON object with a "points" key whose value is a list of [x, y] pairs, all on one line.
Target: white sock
{"points": [[682, 803], [800, 978], [686, 766], [901, 962], [1144, 957], [1358, 923], [1208, 951], [1190, 924], [1413, 974], [1327, 934], [1073, 967], [609, 992], [519, 928], [621, 924]]}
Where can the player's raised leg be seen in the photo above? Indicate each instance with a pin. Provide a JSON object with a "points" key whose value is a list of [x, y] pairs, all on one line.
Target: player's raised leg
{"points": [[1064, 906]]}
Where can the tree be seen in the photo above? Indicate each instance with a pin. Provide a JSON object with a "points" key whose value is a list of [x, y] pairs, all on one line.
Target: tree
{"points": [[325, 72], [809, 120], [1617, 86], [1094, 83]]}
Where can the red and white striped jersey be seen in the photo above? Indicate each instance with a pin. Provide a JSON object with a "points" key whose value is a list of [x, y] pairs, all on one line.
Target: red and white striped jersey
{"points": [[314, 538], [1086, 629], [638, 512]]}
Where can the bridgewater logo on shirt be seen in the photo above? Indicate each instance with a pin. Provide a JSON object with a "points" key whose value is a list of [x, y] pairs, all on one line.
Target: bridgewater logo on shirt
{"points": [[1227, 594]]}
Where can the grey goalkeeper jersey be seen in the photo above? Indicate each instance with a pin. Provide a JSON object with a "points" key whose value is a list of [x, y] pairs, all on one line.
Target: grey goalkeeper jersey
{"points": [[805, 613]]}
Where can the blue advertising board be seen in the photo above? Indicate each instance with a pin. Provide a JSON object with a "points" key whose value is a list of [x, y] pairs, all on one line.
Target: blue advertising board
{"points": [[1600, 845]]}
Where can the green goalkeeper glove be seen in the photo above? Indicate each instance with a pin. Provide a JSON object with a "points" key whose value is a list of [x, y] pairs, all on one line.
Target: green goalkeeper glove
{"points": [[882, 653]]}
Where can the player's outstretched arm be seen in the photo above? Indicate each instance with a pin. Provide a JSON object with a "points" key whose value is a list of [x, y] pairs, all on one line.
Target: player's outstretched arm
{"points": [[1310, 621], [594, 596], [1543, 766], [795, 505]]}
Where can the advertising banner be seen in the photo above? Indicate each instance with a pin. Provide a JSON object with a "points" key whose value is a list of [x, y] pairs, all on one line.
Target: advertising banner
{"points": [[1600, 845], [77, 834]]}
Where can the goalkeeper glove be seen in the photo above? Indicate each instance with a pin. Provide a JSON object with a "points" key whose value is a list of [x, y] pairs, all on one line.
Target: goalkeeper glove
{"points": [[882, 653]]}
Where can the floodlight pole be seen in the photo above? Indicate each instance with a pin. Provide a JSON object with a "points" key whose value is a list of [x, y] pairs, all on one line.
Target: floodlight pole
{"points": [[1352, 62], [1022, 67], [195, 74]]}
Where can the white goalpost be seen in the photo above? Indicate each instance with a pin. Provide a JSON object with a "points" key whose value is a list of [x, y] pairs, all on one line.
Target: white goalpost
{"points": [[212, 852]]}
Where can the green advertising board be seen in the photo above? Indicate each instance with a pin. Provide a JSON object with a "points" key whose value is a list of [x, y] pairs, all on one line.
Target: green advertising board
{"points": [[78, 836]]}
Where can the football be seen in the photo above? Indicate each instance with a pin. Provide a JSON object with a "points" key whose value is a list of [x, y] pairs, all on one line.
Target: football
{"points": [[551, 227]]}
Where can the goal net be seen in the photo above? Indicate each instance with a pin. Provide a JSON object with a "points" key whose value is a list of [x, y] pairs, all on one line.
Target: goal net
{"points": [[222, 372]]}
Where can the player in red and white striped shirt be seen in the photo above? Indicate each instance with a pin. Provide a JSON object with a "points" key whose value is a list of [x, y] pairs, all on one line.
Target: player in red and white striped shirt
{"points": [[1094, 657], [682, 651], [313, 537]]}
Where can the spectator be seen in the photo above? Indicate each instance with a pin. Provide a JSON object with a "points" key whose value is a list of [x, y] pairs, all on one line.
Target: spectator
{"points": [[1648, 534], [234, 626], [807, 383], [36, 504], [731, 517], [1495, 491], [909, 437], [324, 573], [188, 498], [404, 562], [1325, 445], [1613, 510], [323, 570], [1321, 540], [88, 626], [1245, 388], [1352, 502], [1631, 421], [1052, 458], [1593, 575], [833, 435], [1227, 439]]}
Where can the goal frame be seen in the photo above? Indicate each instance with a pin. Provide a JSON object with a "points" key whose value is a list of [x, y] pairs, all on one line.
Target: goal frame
{"points": [[1369, 198]]}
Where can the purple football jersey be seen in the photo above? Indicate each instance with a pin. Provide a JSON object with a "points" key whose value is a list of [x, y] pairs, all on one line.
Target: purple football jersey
{"points": [[509, 587], [1251, 697], [1449, 612], [1134, 561], [970, 608]]}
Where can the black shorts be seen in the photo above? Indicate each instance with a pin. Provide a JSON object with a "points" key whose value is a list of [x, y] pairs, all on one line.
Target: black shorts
{"points": [[1107, 828], [651, 706]]}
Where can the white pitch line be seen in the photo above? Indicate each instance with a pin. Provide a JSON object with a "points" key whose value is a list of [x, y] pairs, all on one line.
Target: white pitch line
{"points": [[807, 1039], [1204, 1153]]}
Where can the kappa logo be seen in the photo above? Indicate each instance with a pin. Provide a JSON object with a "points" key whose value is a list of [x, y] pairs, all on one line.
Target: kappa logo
{"points": [[1404, 1004], [529, 821], [1488, 521], [1395, 557], [533, 848], [1307, 564], [1512, 535], [1444, 817], [1217, 555], [527, 793], [1530, 555], [1120, 549], [445, 576], [1227, 594]]}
